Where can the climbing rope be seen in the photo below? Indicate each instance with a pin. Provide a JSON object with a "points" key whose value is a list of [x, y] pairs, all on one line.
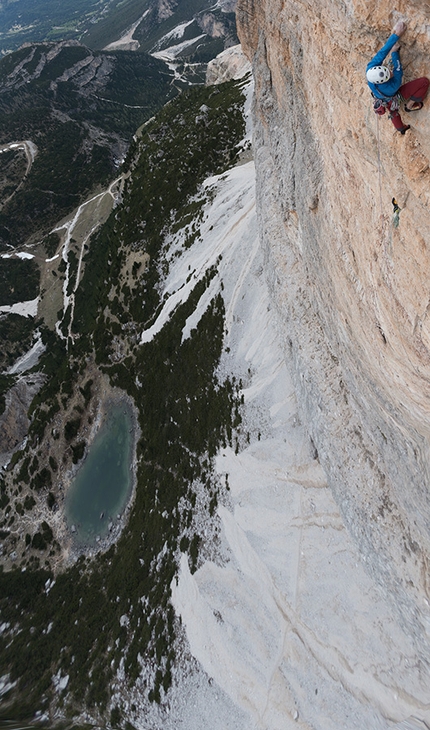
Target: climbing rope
{"points": [[396, 207], [386, 242], [381, 209]]}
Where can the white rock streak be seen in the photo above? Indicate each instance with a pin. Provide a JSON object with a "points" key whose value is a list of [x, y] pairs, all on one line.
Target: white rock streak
{"points": [[291, 628], [127, 42], [171, 53], [174, 34], [224, 222], [30, 358]]}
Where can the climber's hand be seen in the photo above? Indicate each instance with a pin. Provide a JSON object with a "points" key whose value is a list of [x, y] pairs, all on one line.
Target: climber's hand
{"points": [[396, 46], [400, 27]]}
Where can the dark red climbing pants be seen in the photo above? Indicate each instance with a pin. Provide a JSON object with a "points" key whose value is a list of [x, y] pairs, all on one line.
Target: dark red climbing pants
{"points": [[415, 90]]}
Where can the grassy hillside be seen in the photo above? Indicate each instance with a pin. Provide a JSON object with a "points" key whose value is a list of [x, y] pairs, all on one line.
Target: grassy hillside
{"points": [[28, 21], [121, 16], [93, 22], [151, 28]]}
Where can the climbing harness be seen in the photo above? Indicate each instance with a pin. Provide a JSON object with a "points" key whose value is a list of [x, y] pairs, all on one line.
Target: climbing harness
{"points": [[390, 104]]}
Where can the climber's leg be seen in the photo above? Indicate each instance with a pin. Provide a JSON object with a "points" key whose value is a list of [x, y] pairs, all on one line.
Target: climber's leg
{"points": [[397, 120], [414, 91]]}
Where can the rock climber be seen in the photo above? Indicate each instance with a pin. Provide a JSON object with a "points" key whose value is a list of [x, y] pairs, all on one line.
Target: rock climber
{"points": [[386, 85]]}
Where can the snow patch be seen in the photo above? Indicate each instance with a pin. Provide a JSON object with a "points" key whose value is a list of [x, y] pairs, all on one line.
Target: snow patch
{"points": [[25, 309], [30, 358], [5, 684], [60, 682], [18, 255]]}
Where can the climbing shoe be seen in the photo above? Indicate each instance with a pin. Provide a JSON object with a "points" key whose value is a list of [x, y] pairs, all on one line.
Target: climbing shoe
{"points": [[419, 105], [405, 129]]}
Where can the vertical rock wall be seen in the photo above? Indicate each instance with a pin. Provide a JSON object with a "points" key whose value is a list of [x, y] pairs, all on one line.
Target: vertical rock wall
{"points": [[352, 292]]}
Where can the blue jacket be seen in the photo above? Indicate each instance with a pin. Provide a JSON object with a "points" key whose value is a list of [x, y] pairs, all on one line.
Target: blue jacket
{"points": [[388, 88]]}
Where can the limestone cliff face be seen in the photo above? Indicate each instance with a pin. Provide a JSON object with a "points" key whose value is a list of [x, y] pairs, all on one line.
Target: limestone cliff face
{"points": [[352, 291]]}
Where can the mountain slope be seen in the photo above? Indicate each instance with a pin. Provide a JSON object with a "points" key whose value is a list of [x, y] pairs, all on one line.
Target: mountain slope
{"points": [[79, 109], [98, 351], [47, 20], [235, 598], [126, 25]]}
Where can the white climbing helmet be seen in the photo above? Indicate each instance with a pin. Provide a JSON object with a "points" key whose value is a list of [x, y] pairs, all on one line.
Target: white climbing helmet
{"points": [[378, 74]]}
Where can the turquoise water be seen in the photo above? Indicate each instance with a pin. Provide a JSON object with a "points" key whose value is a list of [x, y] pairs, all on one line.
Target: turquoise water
{"points": [[103, 484]]}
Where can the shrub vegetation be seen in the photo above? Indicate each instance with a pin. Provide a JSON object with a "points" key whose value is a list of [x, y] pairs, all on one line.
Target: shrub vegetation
{"points": [[185, 413]]}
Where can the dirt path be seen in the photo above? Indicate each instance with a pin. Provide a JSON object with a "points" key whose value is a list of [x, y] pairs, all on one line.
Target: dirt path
{"points": [[30, 150], [77, 231]]}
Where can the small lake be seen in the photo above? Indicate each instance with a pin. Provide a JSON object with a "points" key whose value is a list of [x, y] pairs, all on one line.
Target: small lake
{"points": [[103, 484]]}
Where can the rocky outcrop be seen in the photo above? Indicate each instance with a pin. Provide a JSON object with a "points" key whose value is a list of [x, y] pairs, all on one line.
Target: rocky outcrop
{"points": [[230, 64], [88, 74], [218, 24], [351, 290], [14, 420], [21, 75]]}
